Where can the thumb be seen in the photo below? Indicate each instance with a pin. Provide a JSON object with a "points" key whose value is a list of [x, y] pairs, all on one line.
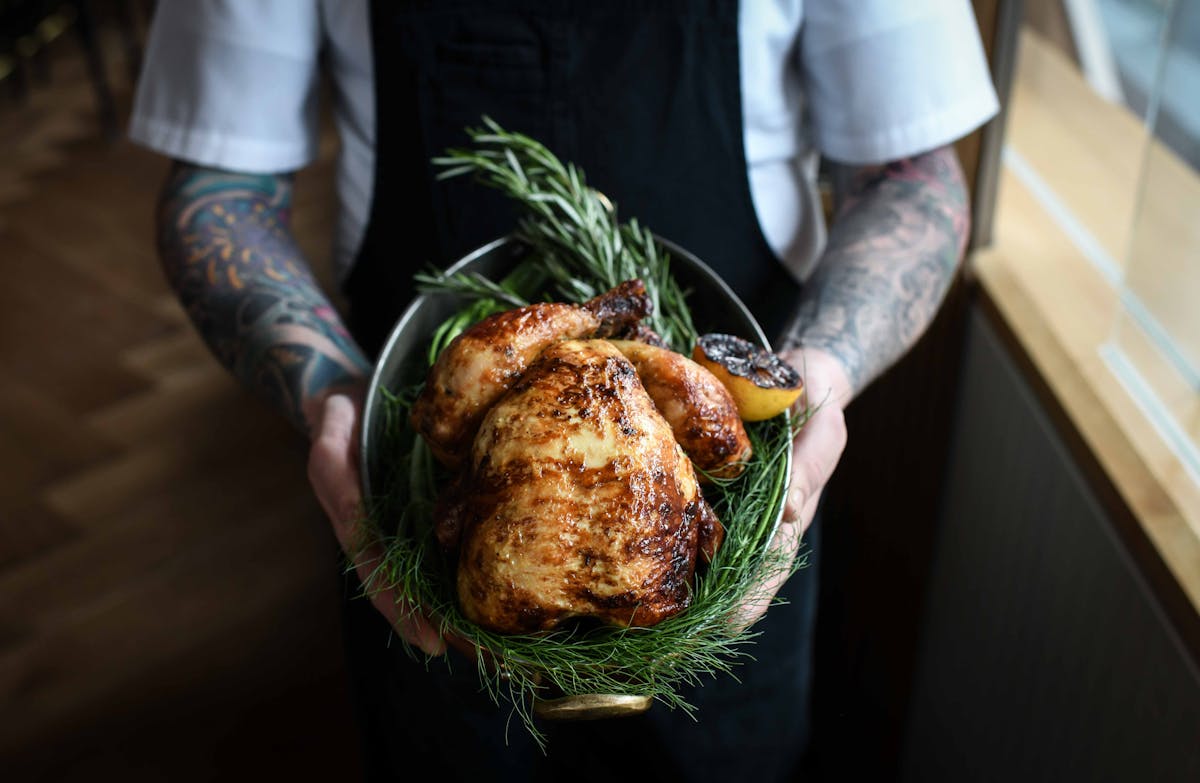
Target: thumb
{"points": [[333, 464], [334, 473]]}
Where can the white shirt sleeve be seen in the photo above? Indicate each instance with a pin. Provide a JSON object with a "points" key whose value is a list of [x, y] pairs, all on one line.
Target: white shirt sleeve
{"points": [[231, 84], [886, 79]]}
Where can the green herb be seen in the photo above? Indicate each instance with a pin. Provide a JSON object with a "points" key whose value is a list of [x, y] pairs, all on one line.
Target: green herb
{"points": [[577, 250], [456, 324], [684, 649], [583, 248], [472, 285]]}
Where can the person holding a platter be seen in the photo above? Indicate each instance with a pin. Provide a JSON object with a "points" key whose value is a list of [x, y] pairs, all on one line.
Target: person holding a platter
{"points": [[707, 121]]}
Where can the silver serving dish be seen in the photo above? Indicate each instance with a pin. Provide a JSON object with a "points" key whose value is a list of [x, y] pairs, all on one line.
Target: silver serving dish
{"points": [[715, 308], [403, 362]]}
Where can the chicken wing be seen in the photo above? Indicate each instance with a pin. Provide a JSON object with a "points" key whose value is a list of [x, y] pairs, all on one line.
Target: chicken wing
{"points": [[702, 414]]}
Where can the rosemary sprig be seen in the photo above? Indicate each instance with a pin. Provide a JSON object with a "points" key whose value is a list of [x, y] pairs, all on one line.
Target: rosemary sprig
{"points": [[471, 285], [584, 249]]}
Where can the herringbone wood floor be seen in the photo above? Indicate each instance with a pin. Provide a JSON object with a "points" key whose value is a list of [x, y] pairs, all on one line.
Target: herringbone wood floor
{"points": [[168, 587]]}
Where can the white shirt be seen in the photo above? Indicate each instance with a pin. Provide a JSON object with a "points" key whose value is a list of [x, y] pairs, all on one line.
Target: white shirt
{"points": [[232, 84]]}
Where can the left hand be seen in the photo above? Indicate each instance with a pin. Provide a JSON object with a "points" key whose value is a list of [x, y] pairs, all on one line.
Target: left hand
{"points": [[815, 453], [333, 471]]}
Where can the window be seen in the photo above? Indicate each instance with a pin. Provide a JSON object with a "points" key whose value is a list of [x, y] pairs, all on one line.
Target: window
{"points": [[1155, 345], [1094, 254]]}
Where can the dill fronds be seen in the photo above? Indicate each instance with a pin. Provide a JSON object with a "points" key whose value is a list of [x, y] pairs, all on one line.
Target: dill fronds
{"points": [[577, 249]]}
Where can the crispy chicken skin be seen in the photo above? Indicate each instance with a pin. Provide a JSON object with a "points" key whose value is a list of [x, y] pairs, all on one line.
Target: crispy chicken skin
{"points": [[572, 495], [484, 361], [699, 408], [577, 501]]}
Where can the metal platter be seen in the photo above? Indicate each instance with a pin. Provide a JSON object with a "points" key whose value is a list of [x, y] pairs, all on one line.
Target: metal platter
{"points": [[403, 362], [715, 308]]}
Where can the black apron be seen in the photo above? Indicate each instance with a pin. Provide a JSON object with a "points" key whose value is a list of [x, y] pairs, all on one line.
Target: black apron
{"points": [[643, 95]]}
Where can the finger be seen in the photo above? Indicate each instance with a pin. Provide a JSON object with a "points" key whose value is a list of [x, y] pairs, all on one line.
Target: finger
{"points": [[333, 464], [414, 627], [466, 647], [334, 473], [815, 455], [784, 546], [793, 507], [340, 418], [418, 631]]}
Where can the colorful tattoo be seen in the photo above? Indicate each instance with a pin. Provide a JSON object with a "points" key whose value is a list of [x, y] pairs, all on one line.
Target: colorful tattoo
{"points": [[896, 240], [228, 251]]}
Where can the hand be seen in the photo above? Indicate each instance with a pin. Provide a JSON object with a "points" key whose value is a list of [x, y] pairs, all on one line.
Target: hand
{"points": [[815, 453], [334, 473]]}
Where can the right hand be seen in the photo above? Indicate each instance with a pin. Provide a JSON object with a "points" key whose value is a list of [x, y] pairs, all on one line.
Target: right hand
{"points": [[815, 454], [333, 471]]}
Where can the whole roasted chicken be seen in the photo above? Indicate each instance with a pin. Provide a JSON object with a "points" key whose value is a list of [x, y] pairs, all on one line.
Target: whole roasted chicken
{"points": [[575, 454]]}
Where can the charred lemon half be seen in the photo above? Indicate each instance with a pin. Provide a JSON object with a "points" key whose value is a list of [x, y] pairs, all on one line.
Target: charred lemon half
{"points": [[762, 384]]}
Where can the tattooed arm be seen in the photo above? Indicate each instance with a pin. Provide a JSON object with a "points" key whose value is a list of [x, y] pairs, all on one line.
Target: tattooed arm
{"points": [[227, 249], [228, 252], [897, 237]]}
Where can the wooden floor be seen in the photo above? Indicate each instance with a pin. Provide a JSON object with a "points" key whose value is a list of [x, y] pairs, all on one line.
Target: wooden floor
{"points": [[168, 587]]}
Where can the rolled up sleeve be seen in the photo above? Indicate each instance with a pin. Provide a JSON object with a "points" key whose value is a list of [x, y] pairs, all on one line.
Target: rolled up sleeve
{"points": [[231, 84], [887, 79]]}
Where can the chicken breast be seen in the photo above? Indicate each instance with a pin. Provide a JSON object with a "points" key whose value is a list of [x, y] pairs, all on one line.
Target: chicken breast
{"points": [[578, 501]]}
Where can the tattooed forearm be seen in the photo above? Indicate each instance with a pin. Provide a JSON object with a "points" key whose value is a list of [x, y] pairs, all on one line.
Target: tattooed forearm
{"points": [[227, 250], [895, 242]]}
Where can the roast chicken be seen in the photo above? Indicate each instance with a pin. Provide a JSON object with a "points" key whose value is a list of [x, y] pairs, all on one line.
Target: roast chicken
{"points": [[576, 492]]}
